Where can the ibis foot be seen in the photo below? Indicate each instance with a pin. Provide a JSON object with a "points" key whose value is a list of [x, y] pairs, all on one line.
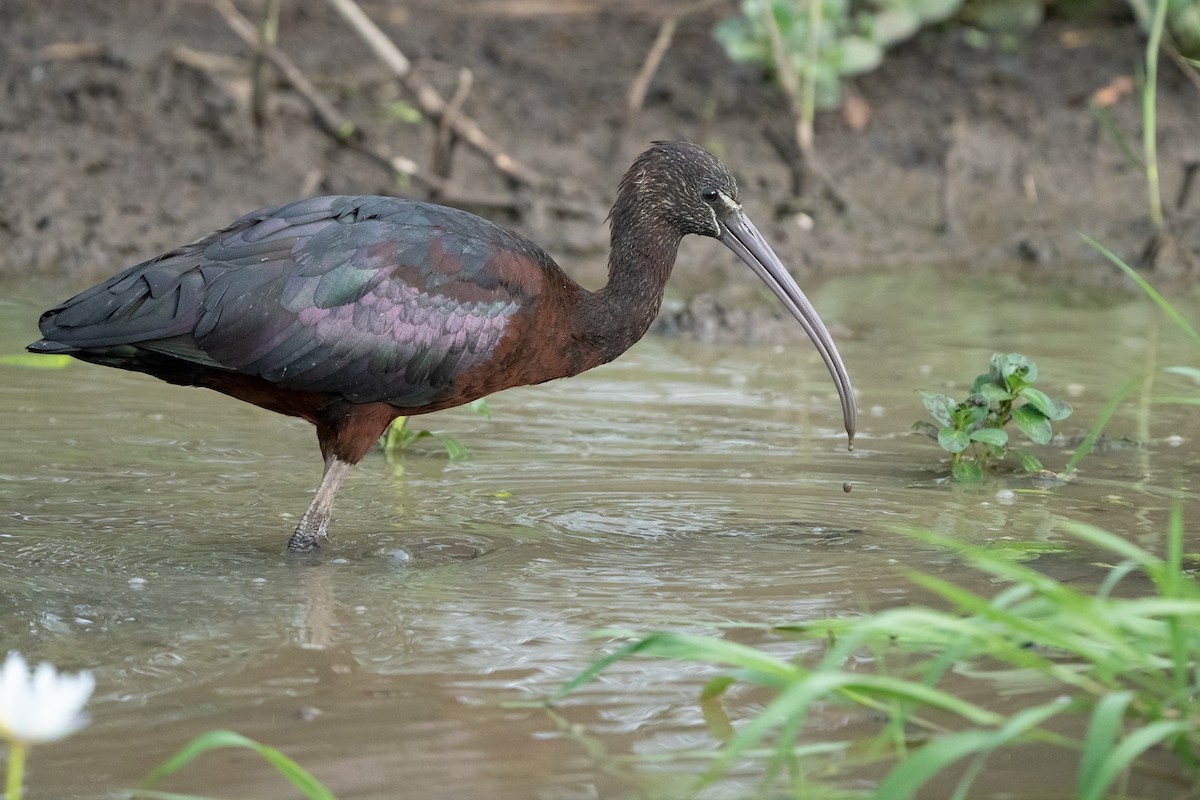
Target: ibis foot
{"points": [[305, 541]]}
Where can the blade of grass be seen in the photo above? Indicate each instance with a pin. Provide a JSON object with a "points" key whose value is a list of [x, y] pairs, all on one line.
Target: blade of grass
{"points": [[1162, 302], [216, 740], [1149, 113], [1101, 736], [1122, 756], [1099, 425], [907, 777]]}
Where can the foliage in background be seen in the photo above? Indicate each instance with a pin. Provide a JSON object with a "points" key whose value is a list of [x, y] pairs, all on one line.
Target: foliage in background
{"points": [[829, 39], [1124, 665], [972, 431]]}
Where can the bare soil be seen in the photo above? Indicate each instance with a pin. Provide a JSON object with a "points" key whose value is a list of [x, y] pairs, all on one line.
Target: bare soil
{"points": [[115, 145]]}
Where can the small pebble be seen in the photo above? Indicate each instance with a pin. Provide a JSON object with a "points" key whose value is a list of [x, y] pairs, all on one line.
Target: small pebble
{"points": [[1075, 389], [847, 486], [1006, 497], [1174, 440], [137, 583]]}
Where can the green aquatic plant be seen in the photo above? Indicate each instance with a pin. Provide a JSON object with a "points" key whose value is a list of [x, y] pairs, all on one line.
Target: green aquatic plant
{"points": [[972, 430], [825, 40], [400, 436], [1119, 664], [300, 778]]}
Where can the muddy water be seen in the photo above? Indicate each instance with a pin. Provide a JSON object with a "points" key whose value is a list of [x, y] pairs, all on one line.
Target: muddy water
{"points": [[142, 530]]}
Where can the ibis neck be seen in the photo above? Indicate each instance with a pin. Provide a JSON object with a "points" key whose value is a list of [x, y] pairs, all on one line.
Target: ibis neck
{"points": [[639, 264]]}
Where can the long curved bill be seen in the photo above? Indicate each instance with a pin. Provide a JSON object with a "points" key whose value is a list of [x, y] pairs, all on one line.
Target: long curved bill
{"points": [[739, 235]]}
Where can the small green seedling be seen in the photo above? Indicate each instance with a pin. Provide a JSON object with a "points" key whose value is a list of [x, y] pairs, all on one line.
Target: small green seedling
{"points": [[400, 437], [973, 431]]}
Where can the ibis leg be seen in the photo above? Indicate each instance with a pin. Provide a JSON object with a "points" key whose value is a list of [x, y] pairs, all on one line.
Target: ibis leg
{"points": [[312, 531]]}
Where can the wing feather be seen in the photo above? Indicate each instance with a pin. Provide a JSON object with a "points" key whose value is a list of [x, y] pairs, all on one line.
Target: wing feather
{"points": [[369, 298]]}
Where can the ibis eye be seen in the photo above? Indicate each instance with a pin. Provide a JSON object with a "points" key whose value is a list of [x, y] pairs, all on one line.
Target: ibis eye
{"points": [[709, 195]]}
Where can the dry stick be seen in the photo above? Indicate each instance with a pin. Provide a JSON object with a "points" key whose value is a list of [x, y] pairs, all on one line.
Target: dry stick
{"points": [[268, 33], [443, 145], [803, 126], [636, 97], [1184, 65], [332, 123], [954, 134], [344, 132], [1190, 168], [326, 115], [789, 153], [429, 101]]}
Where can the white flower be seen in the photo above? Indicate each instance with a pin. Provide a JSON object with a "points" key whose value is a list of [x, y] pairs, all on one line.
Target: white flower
{"points": [[43, 706]]}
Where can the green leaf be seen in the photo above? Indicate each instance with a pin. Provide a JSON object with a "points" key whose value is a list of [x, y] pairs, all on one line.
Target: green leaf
{"points": [[858, 55], [940, 406], [925, 429], [934, 10], [716, 687], [36, 360], [216, 740], [971, 415], [894, 25], [1014, 365], [967, 472], [994, 393], [403, 111], [953, 440], [1053, 409], [1187, 372], [481, 407], [1029, 462], [996, 437], [454, 448], [1123, 755], [907, 777], [1033, 423]]}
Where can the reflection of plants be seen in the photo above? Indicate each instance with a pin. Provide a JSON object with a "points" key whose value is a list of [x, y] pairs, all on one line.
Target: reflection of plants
{"points": [[1172, 313], [825, 39], [977, 423], [1125, 664]]}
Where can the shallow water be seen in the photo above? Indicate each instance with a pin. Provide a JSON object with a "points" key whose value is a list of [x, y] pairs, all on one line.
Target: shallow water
{"points": [[142, 529]]}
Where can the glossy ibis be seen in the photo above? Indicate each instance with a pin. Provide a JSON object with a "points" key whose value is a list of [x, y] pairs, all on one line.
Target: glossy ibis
{"points": [[353, 311]]}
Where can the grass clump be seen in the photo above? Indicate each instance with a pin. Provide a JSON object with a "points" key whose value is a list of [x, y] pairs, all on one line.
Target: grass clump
{"points": [[1121, 671]]}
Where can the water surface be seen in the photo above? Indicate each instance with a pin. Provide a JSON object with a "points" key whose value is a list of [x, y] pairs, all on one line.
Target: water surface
{"points": [[142, 532]]}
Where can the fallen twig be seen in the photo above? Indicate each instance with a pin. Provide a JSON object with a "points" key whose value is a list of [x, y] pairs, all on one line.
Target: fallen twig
{"points": [[327, 117], [636, 97], [429, 101], [329, 120], [443, 145], [268, 33]]}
